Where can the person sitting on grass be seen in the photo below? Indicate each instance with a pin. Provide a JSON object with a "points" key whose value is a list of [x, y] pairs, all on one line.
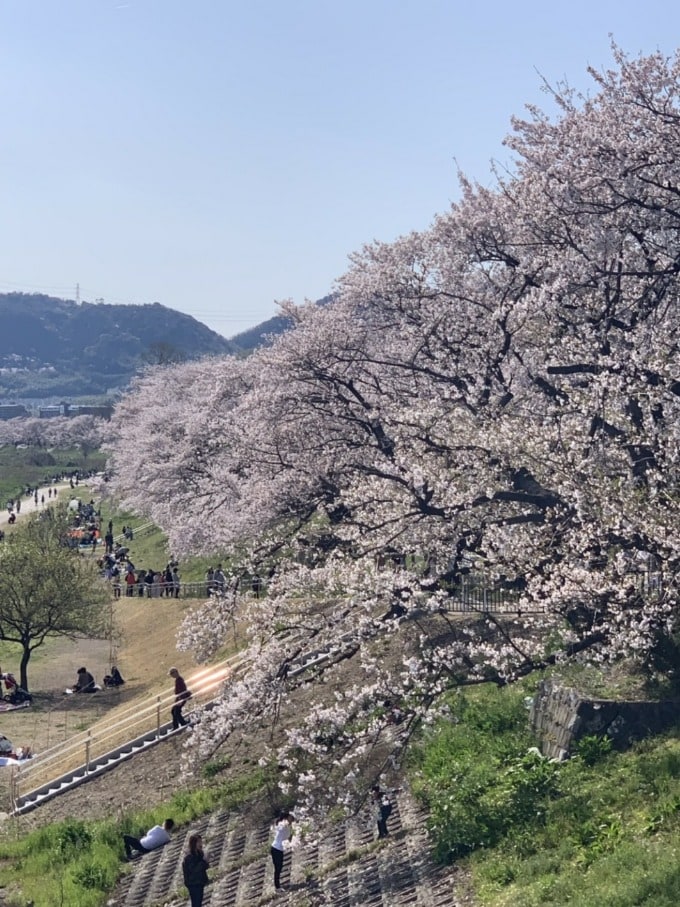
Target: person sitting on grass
{"points": [[9, 751], [114, 679], [85, 682], [155, 837]]}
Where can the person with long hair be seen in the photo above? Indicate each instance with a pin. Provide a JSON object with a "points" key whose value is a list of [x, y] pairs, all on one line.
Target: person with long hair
{"points": [[195, 870]]}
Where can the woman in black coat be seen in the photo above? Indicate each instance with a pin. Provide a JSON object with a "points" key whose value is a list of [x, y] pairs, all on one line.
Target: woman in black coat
{"points": [[195, 870]]}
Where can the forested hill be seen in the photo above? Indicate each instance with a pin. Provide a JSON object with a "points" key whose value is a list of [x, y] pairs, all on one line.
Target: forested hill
{"points": [[55, 347]]}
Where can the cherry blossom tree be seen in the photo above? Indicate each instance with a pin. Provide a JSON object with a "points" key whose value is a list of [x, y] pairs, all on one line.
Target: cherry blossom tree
{"points": [[61, 431], [496, 398]]}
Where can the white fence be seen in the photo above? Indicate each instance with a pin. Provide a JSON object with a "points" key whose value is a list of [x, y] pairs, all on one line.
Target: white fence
{"points": [[84, 753]]}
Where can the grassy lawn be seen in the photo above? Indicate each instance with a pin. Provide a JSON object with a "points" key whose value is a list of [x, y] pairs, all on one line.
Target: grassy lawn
{"points": [[35, 466]]}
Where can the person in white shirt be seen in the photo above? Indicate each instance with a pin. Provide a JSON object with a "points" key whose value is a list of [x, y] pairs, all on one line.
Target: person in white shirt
{"points": [[154, 838], [283, 832]]}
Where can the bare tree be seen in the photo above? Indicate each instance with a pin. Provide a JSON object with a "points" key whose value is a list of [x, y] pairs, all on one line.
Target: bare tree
{"points": [[160, 352]]}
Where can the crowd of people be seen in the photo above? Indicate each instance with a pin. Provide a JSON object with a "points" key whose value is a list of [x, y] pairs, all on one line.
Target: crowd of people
{"points": [[117, 566], [44, 493], [85, 528], [149, 583]]}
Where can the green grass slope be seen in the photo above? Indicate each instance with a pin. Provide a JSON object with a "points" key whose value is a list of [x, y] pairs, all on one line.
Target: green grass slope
{"points": [[600, 829]]}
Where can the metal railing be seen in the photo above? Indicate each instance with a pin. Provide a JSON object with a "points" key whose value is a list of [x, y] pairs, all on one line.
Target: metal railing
{"points": [[473, 595], [164, 590], [469, 597], [83, 750], [144, 529]]}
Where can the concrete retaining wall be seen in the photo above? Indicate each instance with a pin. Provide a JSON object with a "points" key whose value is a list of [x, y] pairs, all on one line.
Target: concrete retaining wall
{"points": [[560, 716]]}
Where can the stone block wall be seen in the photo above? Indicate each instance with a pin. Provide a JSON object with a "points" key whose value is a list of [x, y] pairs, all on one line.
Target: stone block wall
{"points": [[560, 716]]}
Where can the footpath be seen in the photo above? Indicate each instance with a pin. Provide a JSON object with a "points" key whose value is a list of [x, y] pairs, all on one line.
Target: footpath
{"points": [[45, 497]]}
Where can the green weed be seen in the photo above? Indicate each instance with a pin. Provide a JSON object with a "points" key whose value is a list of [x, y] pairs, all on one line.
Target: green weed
{"points": [[593, 749], [76, 862]]}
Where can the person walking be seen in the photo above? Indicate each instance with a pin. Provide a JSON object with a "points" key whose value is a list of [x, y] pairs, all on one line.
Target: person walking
{"points": [[181, 696], [283, 832], [195, 870]]}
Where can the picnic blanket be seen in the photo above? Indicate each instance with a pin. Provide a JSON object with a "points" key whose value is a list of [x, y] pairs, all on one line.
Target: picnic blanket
{"points": [[8, 760], [11, 706]]}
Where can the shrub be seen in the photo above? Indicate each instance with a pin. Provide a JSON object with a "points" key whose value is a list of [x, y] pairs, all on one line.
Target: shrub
{"points": [[479, 775], [71, 837], [593, 749], [93, 875]]}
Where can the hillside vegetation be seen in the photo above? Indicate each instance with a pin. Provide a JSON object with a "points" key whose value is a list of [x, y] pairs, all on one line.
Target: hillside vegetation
{"points": [[600, 829], [530, 832], [54, 347], [486, 413]]}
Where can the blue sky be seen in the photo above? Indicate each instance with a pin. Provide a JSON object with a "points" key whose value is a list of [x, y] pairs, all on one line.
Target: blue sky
{"points": [[216, 156]]}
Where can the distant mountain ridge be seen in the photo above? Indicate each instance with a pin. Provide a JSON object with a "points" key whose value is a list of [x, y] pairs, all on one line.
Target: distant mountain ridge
{"points": [[58, 348], [261, 334]]}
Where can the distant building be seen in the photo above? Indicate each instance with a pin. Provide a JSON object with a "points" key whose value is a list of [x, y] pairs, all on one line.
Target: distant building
{"points": [[102, 410], [49, 412], [13, 411]]}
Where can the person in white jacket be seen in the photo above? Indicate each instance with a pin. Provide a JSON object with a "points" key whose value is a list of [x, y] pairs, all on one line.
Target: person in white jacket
{"points": [[154, 838], [283, 832]]}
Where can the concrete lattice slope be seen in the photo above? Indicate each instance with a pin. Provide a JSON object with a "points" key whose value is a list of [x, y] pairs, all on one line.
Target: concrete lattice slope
{"points": [[345, 869]]}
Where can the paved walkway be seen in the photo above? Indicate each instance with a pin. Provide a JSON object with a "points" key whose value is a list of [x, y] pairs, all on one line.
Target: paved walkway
{"points": [[346, 869], [28, 503]]}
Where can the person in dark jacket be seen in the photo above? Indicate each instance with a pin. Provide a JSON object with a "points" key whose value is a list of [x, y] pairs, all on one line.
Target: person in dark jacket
{"points": [[114, 679], [382, 806], [195, 870], [85, 682], [181, 696]]}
